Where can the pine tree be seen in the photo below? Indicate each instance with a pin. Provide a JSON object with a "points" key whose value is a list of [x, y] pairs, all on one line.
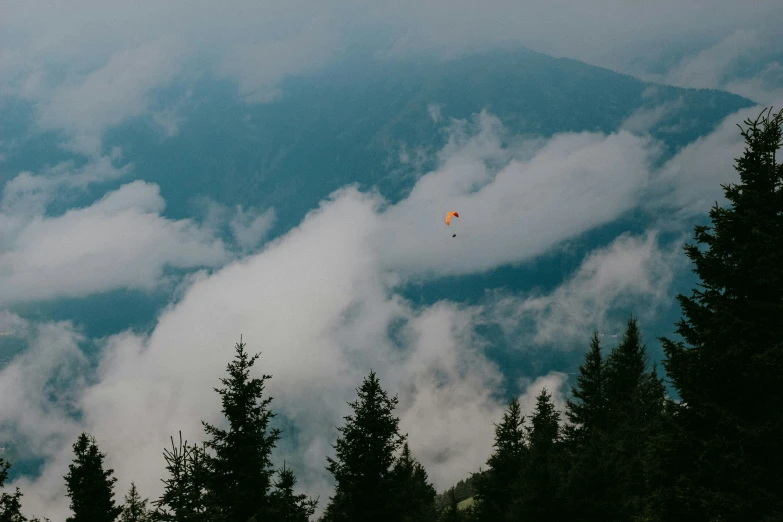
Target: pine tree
{"points": [[635, 402], [183, 498], [365, 456], [538, 489], [199, 474], [414, 495], [625, 372], [730, 376], [451, 513], [11, 507], [90, 487], [495, 489], [666, 468], [463, 490], [588, 477], [285, 504], [589, 413], [10, 504], [240, 469], [135, 508]]}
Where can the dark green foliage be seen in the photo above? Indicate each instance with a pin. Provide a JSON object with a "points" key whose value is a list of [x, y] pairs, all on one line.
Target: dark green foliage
{"points": [[135, 508], [495, 489], [588, 477], [286, 505], [667, 469], [11, 507], [10, 504], [620, 409], [235, 481], [587, 414], [539, 487], [730, 375], [450, 513], [184, 497], [461, 491], [90, 487], [413, 496], [241, 469], [635, 398], [365, 456]]}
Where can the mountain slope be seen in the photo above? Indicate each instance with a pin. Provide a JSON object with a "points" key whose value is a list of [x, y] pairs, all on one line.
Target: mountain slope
{"points": [[348, 123]]}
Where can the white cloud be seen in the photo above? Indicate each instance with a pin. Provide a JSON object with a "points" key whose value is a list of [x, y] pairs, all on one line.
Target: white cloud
{"points": [[446, 386], [39, 388], [120, 241], [116, 56], [764, 88], [39, 392], [433, 109], [619, 35], [247, 226], [87, 106], [644, 119], [168, 122], [708, 68], [513, 207], [250, 226], [716, 67], [630, 270], [320, 301], [690, 182], [317, 307], [30, 194], [258, 66], [554, 382]]}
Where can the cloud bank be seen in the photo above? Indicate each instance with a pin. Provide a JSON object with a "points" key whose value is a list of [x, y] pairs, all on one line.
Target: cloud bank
{"points": [[322, 304], [90, 65], [120, 241]]}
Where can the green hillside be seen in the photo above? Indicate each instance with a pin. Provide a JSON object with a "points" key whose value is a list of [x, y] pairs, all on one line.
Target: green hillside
{"points": [[465, 504], [348, 124]]}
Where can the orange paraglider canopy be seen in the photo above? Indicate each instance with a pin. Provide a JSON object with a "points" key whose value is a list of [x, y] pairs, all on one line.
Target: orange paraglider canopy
{"points": [[449, 216]]}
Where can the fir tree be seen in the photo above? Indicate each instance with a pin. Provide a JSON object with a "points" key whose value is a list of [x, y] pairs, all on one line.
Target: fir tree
{"points": [[463, 490], [625, 371], [415, 496], [135, 508], [90, 487], [451, 513], [666, 466], [495, 489], [365, 456], [538, 489], [183, 498], [10, 504], [635, 401], [730, 375], [588, 477], [240, 469], [588, 414], [11, 507], [286, 505]]}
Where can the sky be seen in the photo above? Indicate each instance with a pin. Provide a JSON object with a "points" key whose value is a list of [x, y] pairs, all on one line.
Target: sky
{"points": [[323, 302]]}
